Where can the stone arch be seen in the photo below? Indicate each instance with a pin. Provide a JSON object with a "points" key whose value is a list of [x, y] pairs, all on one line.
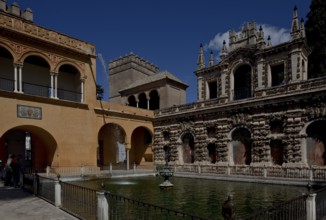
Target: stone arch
{"points": [[141, 146], [9, 49], [36, 146], [132, 101], [70, 63], [316, 142], [69, 82], [111, 145], [187, 147], [240, 146], [6, 69], [142, 100], [36, 75], [37, 54]]}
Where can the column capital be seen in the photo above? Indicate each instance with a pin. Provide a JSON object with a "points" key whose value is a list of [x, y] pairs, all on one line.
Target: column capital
{"points": [[18, 64], [53, 73], [83, 78]]}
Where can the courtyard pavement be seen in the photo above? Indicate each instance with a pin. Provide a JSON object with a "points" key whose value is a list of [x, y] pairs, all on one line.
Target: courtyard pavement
{"points": [[16, 204]]}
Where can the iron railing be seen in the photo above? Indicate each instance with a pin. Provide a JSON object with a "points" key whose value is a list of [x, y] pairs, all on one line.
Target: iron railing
{"points": [[37, 90], [79, 201], [45, 188], [28, 182], [121, 207], [321, 204], [69, 95], [6, 84], [294, 209]]}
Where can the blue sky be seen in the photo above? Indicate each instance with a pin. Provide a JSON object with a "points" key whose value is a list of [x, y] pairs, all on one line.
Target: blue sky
{"points": [[167, 33]]}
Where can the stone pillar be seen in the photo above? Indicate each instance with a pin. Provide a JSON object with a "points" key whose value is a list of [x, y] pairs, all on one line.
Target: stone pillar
{"points": [[311, 206], [20, 67], [52, 84], [102, 206], [199, 88], [82, 82], [56, 85], [137, 104], [57, 193], [127, 149], [48, 170], [147, 104], [16, 77]]}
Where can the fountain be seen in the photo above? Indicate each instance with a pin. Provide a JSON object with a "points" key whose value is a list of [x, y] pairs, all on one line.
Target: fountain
{"points": [[166, 172]]}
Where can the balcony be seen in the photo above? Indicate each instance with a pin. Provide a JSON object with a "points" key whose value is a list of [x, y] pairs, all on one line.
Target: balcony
{"points": [[40, 90]]}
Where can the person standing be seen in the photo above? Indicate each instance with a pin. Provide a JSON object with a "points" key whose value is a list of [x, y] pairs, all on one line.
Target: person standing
{"points": [[16, 169], [8, 171]]}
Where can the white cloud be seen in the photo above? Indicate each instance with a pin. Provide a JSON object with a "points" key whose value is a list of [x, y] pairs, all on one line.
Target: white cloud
{"points": [[278, 35]]}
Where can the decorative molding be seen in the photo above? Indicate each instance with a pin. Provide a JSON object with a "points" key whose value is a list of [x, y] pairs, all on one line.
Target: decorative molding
{"points": [[30, 112]]}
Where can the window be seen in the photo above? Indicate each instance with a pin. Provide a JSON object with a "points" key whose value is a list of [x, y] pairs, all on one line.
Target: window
{"points": [[277, 72], [212, 88]]}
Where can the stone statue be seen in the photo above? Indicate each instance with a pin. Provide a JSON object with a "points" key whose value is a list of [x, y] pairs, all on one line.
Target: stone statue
{"points": [[228, 209]]}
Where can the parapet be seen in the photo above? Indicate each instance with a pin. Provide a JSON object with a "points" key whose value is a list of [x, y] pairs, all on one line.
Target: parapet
{"points": [[132, 58], [247, 37], [14, 9]]}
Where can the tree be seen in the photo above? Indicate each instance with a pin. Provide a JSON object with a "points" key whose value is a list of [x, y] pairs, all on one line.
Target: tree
{"points": [[99, 92], [316, 38]]}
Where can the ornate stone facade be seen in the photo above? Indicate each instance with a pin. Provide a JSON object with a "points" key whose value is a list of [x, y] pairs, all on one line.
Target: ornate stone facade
{"points": [[257, 106]]}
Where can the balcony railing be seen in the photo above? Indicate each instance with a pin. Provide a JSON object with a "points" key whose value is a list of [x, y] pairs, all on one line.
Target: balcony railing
{"points": [[69, 95], [242, 93], [39, 90], [6, 84]]}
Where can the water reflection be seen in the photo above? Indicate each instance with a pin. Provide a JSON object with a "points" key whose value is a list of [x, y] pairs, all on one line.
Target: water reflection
{"points": [[198, 196]]}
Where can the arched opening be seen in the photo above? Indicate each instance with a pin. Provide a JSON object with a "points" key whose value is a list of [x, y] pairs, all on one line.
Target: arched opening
{"points": [[111, 146], [277, 152], [36, 76], [212, 152], [132, 101], [141, 146], [6, 70], [154, 100], [316, 143], [188, 148], [34, 147], [142, 101], [241, 140], [242, 82], [69, 84], [167, 153]]}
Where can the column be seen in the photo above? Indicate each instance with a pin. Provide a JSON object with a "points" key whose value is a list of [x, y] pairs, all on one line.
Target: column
{"points": [[15, 77], [57, 193], [82, 82], [52, 86], [56, 85], [311, 206], [137, 104], [20, 67], [127, 149], [102, 206], [147, 104]]}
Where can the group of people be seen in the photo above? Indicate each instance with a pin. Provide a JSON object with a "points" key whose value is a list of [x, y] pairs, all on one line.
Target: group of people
{"points": [[10, 172]]}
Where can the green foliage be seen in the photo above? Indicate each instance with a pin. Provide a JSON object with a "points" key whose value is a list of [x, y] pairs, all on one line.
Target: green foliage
{"points": [[316, 38], [99, 92]]}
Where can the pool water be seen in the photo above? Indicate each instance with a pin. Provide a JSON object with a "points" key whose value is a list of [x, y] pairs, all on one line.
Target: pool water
{"points": [[201, 197]]}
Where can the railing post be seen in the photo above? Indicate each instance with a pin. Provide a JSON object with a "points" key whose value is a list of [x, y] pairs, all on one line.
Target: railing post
{"points": [[57, 193], [47, 170], [35, 183], [110, 168], [228, 170], [199, 168], [134, 167], [311, 174], [265, 172], [311, 206], [102, 206], [82, 171]]}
